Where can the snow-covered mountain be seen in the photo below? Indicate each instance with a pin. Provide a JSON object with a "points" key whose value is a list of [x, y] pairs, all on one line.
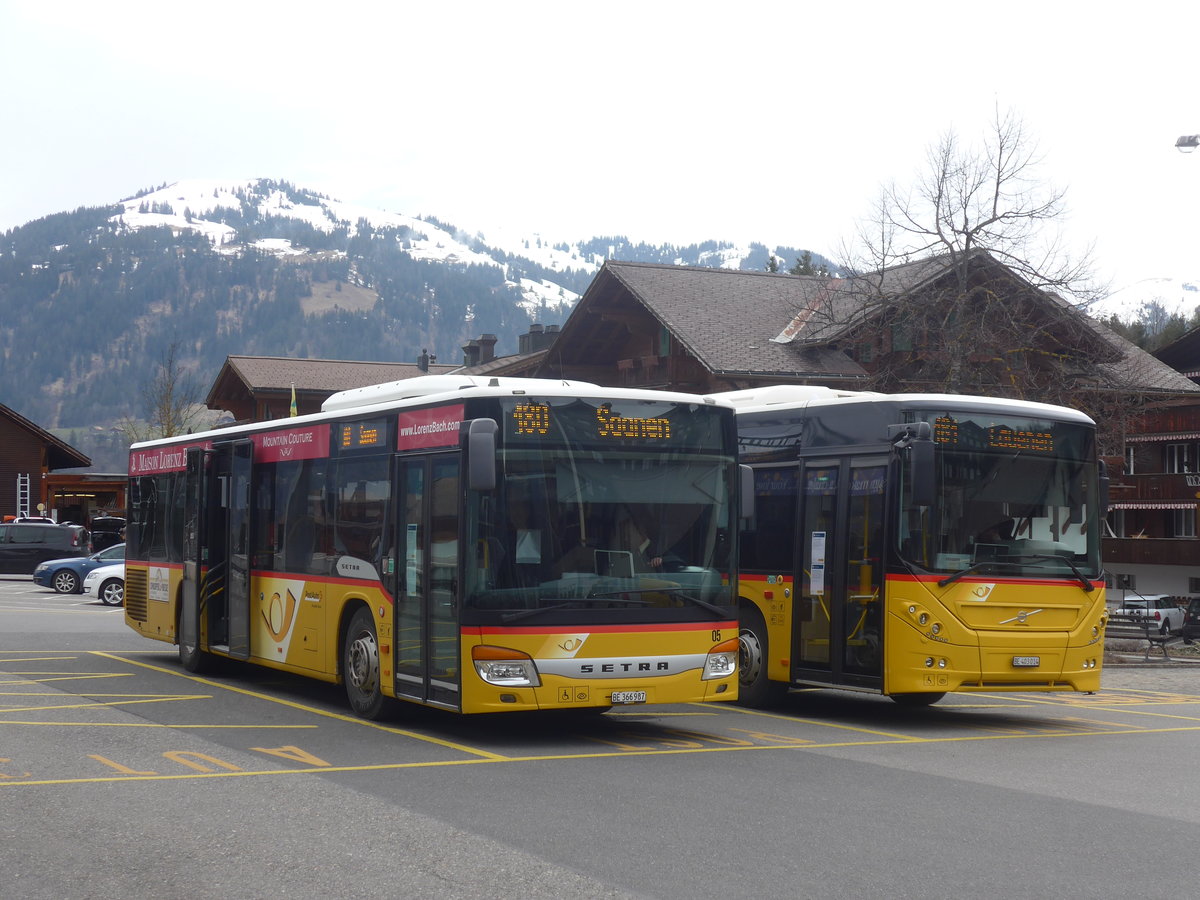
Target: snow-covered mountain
{"points": [[216, 209], [203, 206]]}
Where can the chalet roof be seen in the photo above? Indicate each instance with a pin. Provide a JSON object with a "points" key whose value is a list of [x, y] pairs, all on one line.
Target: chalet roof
{"points": [[59, 454], [516, 364], [827, 308], [278, 373], [730, 320], [1142, 370], [725, 318], [1183, 354]]}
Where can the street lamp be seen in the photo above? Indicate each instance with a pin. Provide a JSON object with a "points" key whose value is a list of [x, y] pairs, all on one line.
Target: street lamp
{"points": [[1187, 143]]}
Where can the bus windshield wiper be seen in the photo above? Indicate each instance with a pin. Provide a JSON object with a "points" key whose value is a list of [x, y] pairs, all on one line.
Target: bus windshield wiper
{"points": [[1084, 582], [980, 566], [680, 592], [527, 613], [969, 570]]}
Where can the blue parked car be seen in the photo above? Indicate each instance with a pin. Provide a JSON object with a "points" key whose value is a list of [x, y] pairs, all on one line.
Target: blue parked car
{"points": [[66, 575]]}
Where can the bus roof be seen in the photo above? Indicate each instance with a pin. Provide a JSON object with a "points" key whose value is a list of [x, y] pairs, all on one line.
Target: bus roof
{"points": [[440, 387], [798, 396]]}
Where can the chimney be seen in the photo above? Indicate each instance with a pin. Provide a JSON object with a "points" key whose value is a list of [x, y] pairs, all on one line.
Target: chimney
{"points": [[528, 343], [471, 353], [424, 360], [487, 347]]}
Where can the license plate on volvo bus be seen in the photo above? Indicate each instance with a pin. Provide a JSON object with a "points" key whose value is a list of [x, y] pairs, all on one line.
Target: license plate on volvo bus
{"points": [[628, 697], [1028, 662]]}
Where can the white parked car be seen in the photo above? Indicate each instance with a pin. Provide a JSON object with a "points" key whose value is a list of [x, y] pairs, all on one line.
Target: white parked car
{"points": [[1160, 607], [107, 584]]}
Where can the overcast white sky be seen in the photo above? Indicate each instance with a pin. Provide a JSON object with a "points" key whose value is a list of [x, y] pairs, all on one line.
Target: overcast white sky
{"points": [[665, 121]]}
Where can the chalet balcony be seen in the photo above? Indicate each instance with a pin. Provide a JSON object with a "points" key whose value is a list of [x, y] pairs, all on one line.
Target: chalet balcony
{"points": [[1154, 487], [1151, 551]]}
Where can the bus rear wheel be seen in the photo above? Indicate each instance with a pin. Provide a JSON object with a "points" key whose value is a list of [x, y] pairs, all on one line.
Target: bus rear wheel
{"points": [[360, 666], [754, 688]]}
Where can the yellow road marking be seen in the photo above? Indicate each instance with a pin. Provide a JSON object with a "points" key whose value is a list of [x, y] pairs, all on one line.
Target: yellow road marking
{"points": [[389, 767], [37, 658], [417, 736], [16, 709]]}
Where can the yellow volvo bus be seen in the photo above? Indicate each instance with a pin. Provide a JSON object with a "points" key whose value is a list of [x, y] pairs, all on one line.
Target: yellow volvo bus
{"points": [[478, 545], [916, 544]]}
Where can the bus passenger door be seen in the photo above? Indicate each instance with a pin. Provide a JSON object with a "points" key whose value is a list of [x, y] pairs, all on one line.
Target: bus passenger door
{"points": [[216, 570], [237, 533], [427, 602], [188, 635], [838, 635]]}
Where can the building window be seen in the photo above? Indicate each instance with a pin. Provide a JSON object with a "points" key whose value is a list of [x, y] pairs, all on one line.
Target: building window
{"points": [[1130, 456], [1183, 523], [1180, 459], [1193, 585]]}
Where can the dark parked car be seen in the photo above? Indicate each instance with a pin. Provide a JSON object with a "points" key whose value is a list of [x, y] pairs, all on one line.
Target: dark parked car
{"points": [[1191, 620], [66, 575], [23, 545], [106, 531]]}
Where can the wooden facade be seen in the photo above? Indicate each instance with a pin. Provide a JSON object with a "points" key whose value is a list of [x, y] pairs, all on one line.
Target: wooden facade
{"points": [[28, 455]]}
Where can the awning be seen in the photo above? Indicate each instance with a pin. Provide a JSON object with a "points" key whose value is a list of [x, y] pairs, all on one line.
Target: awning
{"points": [[1153, 505], [1167, 436]]}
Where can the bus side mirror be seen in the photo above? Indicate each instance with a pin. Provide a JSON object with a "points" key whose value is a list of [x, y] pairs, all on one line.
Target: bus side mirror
{"points": [[921, 470], [481, 454], [747, 492]]}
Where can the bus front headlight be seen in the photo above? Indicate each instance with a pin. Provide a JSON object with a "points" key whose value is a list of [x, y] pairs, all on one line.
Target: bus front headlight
{"points": [[721, 661], [505, 667]]}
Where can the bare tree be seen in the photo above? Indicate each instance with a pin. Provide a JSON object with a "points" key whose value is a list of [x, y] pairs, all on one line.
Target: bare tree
{"points": [[965, 284], [170, 400], [991, 198]]}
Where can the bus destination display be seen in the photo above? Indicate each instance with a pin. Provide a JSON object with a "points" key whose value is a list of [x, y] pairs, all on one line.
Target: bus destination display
{"points": [[531, 418], [950, 431], [357, 435]]}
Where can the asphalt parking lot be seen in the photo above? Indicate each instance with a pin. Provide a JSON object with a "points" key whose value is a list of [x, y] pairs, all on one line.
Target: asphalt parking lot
{"points": [[123, 775]]}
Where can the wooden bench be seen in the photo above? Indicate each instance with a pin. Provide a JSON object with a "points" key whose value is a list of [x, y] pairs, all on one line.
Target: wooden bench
{"points": [[1137, 628]]}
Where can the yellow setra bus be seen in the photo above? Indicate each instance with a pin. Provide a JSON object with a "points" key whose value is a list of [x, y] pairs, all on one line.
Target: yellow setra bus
{"points": [[918, 544], [473, 544]]}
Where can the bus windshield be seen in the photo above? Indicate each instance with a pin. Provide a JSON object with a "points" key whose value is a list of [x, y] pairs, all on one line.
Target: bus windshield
{"points": [[604, 509], [1015, 496]]}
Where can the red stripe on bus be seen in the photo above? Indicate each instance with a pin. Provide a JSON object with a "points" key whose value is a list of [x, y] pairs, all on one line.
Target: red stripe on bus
{"points": [[482, 630]]}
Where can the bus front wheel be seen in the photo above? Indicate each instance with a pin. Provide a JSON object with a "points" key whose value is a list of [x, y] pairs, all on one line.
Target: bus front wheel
{"points": [[360, 666], [755, 689], [191, 657]]}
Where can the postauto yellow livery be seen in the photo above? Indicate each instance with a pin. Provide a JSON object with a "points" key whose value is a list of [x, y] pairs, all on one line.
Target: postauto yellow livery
{"points": [[919, 544], [479, 545]]}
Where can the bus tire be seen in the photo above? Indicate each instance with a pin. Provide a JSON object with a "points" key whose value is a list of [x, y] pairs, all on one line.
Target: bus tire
{"points": [[917, 700], [360, 666], [192, 658], [754, 688]]}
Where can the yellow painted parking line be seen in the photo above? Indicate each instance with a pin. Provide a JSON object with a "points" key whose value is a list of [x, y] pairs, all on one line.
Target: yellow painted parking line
{"points": [[742, 710], [48, 677], [27, 659], [494, 760], [170, 699], [152, 725], [417, 736]]}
